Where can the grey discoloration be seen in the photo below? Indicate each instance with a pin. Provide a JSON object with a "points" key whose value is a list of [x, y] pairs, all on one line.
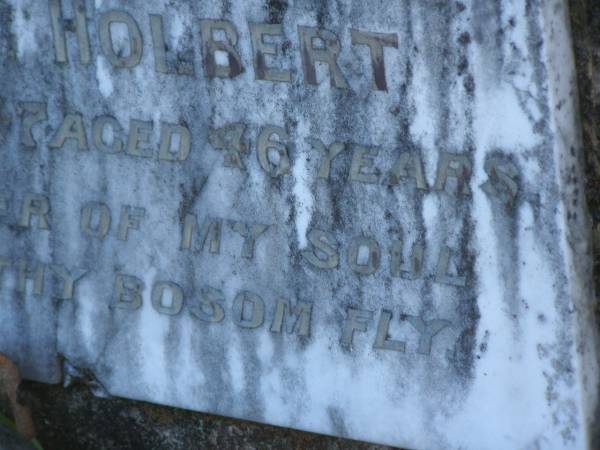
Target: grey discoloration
{"points": [[337, 421]]}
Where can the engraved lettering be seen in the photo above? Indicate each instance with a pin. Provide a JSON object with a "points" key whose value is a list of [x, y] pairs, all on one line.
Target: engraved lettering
{"points": [[211, 232], [210, 306], [139, 133], [190, 224], [298, 318], [319, 45], [178, 134], [212, 49], [35, 205], [167, 298], [249, 233], [376, 42], [263, 49], [442, 274], [382, 340], [100, 230], [328, 155], [357, 320], [106, 132], [71, 128], [159, 47], [60, 26], [69, 278], [272, 154], [408, 165], [248, 310], [364, 255], [427, 331], [502, 182], [36, 275], [230, 139], [128, 292], [324, 255], [363, 158], [408, 271], [130, 219], [453, 166], [105, 30], [31, 113]]}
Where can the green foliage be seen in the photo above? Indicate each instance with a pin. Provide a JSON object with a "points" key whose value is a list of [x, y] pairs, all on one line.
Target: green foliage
{"points": [[10, 424]]}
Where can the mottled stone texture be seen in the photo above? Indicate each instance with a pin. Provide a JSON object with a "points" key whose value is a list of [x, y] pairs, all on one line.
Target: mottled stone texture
{"points": [[445, 81]]}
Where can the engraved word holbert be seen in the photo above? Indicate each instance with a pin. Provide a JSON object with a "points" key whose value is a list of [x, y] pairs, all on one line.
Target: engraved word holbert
{"points": [[219, 40]]}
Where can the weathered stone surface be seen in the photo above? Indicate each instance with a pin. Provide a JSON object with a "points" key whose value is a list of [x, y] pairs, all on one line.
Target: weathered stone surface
{"points": [[450, 261]]}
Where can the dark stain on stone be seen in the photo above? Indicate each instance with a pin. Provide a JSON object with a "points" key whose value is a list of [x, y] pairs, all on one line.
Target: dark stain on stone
{"points": [[337, 421], [259, 65], [189, 197], [463, 65], [464, 38], [276, 10], [379, 74], [8, 42], [469, 84], [310, 75], [5, 120]]}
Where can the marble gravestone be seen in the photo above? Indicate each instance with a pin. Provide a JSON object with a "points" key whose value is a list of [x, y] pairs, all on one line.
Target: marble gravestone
{"points": [[358, 218]]}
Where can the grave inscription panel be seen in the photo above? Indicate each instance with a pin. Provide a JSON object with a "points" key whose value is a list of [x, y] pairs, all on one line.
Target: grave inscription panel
{"points": [[356, 218]]}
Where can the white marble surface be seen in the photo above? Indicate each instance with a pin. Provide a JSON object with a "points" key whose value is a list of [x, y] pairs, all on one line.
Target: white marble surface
{"points": [[514, 364]]}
